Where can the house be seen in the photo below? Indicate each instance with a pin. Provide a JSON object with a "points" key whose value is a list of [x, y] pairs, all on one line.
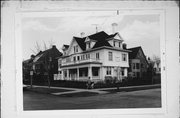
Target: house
{"points": [[138, 63], [95, 56], [157, 67], [46, 62], [27, 67]]}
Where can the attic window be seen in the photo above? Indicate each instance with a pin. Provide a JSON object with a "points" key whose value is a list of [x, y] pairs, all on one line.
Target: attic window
{"points": [[114, 43], [119, 44], [75, 49], [88, 45]]}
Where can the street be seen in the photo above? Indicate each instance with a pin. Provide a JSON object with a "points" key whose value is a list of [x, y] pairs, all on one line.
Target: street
{"points": [[136, 99]]}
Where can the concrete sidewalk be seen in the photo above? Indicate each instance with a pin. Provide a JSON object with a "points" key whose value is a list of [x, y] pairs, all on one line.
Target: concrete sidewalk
{"points": [[99, 90]]}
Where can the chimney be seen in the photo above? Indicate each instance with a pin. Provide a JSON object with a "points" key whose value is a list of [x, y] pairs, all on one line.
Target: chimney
{"points": [[32, 56], [82, 34], [53, 46], [114, 27]]}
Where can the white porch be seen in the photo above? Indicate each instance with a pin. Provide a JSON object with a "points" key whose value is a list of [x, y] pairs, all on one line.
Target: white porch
{"points": [[82, 73]]}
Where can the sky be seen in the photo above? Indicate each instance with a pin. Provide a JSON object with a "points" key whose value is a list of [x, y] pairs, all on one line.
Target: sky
{"points": [[136, 30]]}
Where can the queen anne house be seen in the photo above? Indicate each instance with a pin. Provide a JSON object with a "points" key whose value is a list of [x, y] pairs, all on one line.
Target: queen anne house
{"points": [[95, 56]]}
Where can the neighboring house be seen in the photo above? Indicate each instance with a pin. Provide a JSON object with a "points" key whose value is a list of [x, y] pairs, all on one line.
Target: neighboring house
{"points": [[45, 62], [95, 57], [27, 67], [157, 67], [138, 63]]}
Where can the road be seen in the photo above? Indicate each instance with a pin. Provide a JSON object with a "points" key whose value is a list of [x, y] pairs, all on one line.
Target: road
{"points": [[136, 99]]}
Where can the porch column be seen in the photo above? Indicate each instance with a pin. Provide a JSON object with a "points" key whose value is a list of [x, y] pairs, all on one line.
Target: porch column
{"points": [[77, 73], [90, 72], [125, 72], [67, 74], [103, 73], [62, 74], [112, 71]]}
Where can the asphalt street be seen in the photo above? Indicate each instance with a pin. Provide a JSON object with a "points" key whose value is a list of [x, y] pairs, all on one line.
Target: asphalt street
{"points": [[135, 99]]}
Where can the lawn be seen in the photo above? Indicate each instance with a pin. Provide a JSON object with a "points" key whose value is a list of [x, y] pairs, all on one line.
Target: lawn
{"points": [[47, 90]]}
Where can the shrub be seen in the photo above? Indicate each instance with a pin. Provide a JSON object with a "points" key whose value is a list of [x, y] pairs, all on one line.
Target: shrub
{"points": [[108, 79]]}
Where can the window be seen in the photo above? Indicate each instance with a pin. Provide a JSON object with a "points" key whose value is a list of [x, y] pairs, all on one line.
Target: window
{"points": [[124, 57], [134, 66], [83, 72], [137, 66], [74, 58], [114, 43], [78, 58], [108, 71], [119, 44], [88, 45], [110, 56], [65, 73], [122, 72], [95, 71], [75, 48], [97, 55]]}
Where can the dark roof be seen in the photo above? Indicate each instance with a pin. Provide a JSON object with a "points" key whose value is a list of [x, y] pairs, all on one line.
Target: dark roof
{"points": [[99, 37], [134, 52], [81, 42], [54, 52]]}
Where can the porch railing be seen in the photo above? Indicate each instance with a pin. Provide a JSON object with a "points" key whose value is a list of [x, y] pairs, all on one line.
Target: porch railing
{"points": [[80, 61]]}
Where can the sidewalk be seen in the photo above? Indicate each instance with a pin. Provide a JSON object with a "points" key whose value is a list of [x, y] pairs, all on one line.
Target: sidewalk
{"points": [[99, 90]]}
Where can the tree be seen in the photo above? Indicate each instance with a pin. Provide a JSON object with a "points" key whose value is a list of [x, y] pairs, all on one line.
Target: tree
{"points": [[38, 47]]}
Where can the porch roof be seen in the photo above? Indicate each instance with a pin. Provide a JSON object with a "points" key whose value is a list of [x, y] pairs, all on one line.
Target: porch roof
{"points": [[81, 64]]}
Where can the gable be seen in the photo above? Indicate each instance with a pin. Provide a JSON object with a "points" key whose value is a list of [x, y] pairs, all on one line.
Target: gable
{"points": [[117, 36], [71, 47], [140, 55]]}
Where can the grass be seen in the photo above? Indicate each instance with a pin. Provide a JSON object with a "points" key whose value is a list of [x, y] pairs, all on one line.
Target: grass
{"points": [[47, 90], [132, 89]]}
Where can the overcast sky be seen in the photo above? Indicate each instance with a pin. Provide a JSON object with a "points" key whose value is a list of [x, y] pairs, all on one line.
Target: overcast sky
{"points": [[136, 30]]}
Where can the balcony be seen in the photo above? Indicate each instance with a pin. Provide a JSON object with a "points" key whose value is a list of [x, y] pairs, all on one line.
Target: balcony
{"points": [[85, 61]]}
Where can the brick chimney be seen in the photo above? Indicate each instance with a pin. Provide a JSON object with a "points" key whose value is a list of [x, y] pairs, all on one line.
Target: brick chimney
{"points": [[114, 27]]}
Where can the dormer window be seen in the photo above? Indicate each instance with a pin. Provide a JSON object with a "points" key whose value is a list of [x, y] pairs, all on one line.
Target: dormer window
{"points": [[75, 49], [114, 43], [89, 45], [120, 44]]}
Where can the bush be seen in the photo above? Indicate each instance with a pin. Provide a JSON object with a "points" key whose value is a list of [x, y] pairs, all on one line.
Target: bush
{"points": [[110, 79]]}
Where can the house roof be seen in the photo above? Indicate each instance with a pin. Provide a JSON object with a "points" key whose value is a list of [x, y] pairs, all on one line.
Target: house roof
{"points": [[134, 52], [100, 38], [54, 52]]}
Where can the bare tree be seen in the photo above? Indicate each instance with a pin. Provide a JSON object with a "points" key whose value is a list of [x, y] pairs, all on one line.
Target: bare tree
{"points": [[38, 47]]}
